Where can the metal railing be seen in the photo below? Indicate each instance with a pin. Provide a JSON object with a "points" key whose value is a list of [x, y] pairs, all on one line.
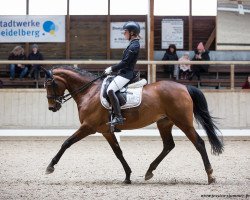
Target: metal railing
{"points": [[151, 65]]}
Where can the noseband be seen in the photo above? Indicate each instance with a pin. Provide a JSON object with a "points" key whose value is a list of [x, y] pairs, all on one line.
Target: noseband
{"points": [[64, 98]]}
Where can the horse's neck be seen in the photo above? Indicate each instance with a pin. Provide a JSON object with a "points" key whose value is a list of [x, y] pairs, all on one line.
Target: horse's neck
{"points": [[75, 81]]}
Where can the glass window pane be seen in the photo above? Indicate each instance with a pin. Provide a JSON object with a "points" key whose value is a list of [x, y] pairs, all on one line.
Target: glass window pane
{"points": [[86, 7], [48, 7], [13, 7], [171, 8], [128, 7], [204, 7]]}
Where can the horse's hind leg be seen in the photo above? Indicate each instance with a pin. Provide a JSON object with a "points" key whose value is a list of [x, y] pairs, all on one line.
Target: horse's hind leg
{"points": [[200, 146], [118, 152], [82, 132], [165, 127]]}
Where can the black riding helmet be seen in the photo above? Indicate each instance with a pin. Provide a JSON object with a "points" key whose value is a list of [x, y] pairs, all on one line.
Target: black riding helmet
{"points": [[133, 27]]}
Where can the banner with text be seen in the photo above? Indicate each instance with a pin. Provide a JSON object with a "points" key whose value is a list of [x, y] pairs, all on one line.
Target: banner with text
{"points": [[31, 28], [117, 40], [172, 33]]}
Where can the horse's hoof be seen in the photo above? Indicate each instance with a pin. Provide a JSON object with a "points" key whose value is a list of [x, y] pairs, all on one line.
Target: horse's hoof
{"points": [[211, 180], [148, 176], [127, 181], [49, 170]]}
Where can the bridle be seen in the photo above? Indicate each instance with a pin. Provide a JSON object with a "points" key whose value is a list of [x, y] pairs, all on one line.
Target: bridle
{"points": [[61, 99], [57, 98]]}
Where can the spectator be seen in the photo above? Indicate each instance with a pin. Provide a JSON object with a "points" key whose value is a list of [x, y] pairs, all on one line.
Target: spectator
{"points": [[246, 85], [200, 55], [17, 54], [35, 55], [170, 54], [184, 68], [1, 84]]}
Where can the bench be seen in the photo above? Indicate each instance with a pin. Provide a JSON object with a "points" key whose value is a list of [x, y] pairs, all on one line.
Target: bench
{"points": [[31, 83], [24, 83], [217, 76], [225, 70]]}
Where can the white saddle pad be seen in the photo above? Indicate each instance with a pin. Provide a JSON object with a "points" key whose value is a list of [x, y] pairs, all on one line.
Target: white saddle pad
{"points": [[134, 95]]}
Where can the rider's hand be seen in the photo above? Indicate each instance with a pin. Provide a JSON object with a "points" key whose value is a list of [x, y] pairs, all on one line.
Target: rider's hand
{"points": [[108, 70]]}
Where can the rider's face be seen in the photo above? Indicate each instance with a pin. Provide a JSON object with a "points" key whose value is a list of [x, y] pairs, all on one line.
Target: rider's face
{"points": [[126, 34]]}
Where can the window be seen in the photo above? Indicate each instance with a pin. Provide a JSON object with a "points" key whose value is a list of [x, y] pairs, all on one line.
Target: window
{"points": [[171, 8], [13, 7], [128, 7], [48, 7], [204, 7], [88, 7]]}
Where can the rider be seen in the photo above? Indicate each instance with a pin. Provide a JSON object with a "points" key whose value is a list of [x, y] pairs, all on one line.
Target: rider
{"points": [[125, 68]]}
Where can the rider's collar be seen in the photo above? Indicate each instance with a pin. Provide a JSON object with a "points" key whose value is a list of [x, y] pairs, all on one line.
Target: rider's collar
{"points": [[133, 40]]}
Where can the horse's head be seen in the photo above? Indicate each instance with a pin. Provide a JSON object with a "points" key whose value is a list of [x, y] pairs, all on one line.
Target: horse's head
{"points": [[55, 88]]}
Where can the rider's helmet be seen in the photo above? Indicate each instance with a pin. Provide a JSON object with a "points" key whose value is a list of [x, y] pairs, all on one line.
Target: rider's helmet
{"points": [[132, 27]]}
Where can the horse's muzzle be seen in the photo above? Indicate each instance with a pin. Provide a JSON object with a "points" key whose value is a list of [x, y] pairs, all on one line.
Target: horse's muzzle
{"points": [[55, 108]]}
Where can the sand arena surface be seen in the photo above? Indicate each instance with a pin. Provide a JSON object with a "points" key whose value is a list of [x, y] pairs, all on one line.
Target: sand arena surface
{"points": [[90, 170]]}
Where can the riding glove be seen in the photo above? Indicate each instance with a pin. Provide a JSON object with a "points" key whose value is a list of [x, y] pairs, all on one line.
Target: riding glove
{"points": [[108, 70]]}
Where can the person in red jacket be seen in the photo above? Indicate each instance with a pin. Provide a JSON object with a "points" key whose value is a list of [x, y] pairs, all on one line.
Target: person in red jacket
{"points": [[201, 54], [246, 85]]}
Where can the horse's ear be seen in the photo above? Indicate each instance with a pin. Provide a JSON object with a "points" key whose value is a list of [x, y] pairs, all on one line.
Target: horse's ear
{"points": [[47, 73]]}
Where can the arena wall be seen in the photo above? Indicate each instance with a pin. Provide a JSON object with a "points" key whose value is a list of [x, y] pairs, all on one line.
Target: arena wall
{"points": [[28, 109]]}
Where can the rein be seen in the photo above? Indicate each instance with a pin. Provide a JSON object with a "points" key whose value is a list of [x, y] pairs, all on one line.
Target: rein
{"points": [[66, 97]]}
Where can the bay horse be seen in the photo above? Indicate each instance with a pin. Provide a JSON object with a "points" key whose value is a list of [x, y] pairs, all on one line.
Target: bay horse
{"points": [[165, 102]]}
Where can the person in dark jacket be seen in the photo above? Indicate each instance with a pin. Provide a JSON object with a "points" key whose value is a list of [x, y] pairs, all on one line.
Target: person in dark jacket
{"points": [[17, 54], [200, 55], [246, 85], [124, 69], [170, 54], [35, 55]]}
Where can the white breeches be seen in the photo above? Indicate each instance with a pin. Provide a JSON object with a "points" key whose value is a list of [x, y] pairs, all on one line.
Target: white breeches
{"points": [[117, 83]]}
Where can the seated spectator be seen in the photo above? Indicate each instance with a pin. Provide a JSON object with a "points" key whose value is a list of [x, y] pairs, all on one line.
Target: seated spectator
{"points": [[246, 85], [184, 68], [17, 54], [200, 55], [1, 84], [170, 54], [35, 55]]}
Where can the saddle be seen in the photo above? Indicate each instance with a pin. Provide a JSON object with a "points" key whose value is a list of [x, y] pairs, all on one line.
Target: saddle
{"points": [[129, 96]]}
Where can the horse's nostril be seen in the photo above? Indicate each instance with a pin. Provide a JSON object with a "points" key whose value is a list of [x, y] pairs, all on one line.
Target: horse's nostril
{"points": [[51, 108]]}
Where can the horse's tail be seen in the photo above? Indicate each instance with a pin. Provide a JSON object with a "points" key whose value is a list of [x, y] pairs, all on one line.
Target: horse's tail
{"points": [[203, 116]]}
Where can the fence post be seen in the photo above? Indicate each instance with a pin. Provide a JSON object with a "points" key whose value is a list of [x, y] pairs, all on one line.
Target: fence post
{"points": [[149, 74], [153, 73], [232, 77]]}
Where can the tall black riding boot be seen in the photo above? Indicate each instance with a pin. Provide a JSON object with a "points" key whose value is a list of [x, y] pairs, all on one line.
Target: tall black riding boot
{"points": [[118, 119]]}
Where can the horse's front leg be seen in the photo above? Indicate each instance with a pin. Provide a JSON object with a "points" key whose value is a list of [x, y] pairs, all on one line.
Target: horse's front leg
{"points": [[118, 152], [81, 133]]}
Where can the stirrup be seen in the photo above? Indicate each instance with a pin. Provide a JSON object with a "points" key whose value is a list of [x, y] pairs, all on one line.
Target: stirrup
{"points": [[117, 120], [113, 127]]}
